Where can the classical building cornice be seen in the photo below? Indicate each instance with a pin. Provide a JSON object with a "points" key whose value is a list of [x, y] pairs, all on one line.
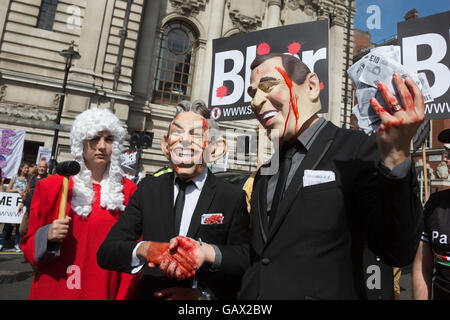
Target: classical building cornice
{"points": [[73, 86], [339, 15], [28, 115], [243, 19], [188, 7], [274, 3], [310, 7], [334, 10], [243, 22], [337, 11]]}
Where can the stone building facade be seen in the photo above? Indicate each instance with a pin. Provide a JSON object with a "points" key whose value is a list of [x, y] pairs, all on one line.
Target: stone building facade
{"points": [[138, 58]]}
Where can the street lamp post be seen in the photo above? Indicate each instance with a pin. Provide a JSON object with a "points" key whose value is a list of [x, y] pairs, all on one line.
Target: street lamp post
{"points": [[69, 55]]}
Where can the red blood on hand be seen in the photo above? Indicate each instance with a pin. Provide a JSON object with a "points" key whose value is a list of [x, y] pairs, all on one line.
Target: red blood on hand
{"points": [[189, 246], [376, 106], [395, 123], [183, 261], [159, 251], [391, 100], [186, 243], [155, 252]]}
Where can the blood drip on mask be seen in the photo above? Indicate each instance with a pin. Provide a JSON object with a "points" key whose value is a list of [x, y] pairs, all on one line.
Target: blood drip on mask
{"points": [[293, 102]]}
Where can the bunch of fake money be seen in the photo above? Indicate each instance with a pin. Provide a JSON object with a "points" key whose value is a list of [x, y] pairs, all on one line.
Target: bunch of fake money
{"points": [[379, 65]]}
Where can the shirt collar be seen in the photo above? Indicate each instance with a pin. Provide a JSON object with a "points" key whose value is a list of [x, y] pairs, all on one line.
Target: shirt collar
{"points": [[199, 181], [307, 137]]}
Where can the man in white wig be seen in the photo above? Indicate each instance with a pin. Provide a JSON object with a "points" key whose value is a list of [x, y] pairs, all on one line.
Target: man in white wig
{"points": [[64, 250]]}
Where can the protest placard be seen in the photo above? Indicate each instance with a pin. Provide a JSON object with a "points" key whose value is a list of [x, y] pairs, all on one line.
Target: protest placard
{"points": [[232, 57], [9, 206]]}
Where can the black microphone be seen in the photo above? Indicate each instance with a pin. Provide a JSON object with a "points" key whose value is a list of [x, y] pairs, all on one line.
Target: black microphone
{"points": [[68, 168]]}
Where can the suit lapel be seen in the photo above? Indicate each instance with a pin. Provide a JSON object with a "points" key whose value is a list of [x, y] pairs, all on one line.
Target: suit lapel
{"points": [[166, 211], [260, 194], [203, 204], [312, 158]]}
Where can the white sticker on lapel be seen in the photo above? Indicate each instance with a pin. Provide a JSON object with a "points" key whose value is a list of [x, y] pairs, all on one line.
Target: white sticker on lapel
{"points": [[312, 177]]}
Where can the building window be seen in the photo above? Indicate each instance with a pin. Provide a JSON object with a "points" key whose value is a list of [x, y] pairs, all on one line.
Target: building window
{"points": [[175, 64], [31, 151], [47, 14]]}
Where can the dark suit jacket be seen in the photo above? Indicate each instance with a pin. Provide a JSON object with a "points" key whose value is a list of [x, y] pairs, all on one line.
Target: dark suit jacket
{"points": [[150, 214], [314, 248]]}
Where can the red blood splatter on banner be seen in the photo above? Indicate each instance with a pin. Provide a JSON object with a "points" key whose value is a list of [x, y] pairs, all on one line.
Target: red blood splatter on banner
{"points": [[321, 86], [221, 91], [293, 101], [294, 48], [263, 48]]}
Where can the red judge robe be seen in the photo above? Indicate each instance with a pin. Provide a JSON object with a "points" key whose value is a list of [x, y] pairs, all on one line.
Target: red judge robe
{"points": [[74, 274]]}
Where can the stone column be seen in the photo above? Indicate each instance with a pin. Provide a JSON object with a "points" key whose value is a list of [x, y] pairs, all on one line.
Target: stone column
{"points": [[337, 15], [197, 88], [273, 13], [215, 27], [83, 70], [337, 61], [146, 59], [90, 36]]}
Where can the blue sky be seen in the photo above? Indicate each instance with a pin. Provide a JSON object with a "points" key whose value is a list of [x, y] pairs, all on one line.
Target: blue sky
{"points": [[392, 12]]}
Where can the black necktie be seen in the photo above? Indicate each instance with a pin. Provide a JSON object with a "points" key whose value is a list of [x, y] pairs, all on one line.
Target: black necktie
{"points": [[285, 165], [179, 203]]}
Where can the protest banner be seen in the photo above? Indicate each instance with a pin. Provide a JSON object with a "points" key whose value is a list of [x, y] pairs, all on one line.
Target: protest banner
{"points": [[44, 153], [232, 57], [11, 149], [425, 47], [9, 206]]}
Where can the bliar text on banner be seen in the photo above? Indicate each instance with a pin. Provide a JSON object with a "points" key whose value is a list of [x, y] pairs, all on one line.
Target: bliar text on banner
{"points": [[425, 46], [232, 57]]}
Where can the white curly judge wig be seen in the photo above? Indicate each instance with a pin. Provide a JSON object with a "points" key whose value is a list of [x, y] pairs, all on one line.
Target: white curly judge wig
{"points": [[85, 127]]}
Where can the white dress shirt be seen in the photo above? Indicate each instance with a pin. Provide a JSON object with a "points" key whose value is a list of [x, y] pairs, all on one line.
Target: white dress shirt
{"points": [[192, 194]]}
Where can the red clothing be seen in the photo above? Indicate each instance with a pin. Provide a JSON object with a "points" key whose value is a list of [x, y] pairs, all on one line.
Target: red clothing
{"points": [[75, 273]]}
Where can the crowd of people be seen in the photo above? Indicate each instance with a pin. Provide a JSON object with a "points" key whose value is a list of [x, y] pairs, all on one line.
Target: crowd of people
{"points": [[22, 183], [325, 195]]}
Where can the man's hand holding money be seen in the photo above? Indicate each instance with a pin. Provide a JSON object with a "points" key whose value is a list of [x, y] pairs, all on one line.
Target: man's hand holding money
{"points": [[400, 121]]}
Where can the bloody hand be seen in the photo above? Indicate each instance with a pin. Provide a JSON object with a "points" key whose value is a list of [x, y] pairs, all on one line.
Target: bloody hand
{"points": [[400, 123], [180, 263], [192, 247]]}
